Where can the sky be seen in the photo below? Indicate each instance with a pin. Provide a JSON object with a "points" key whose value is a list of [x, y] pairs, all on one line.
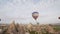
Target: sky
{"points": [[20, 11]]}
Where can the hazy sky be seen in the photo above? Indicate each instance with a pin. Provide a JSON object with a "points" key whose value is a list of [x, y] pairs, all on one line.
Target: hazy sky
{"points": [[21, 11]]}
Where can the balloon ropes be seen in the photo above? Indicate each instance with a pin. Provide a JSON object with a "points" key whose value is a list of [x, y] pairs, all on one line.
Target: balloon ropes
{"points": [[35, 15]]}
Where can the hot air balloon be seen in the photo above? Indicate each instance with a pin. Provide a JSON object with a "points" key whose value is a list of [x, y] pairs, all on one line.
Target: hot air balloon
{"points": [[35, 15], [58, 17], [0, 19]]}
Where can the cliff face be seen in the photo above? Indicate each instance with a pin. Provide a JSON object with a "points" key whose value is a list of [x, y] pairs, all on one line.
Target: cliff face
{"points": [[30, 28], [15, 29]]}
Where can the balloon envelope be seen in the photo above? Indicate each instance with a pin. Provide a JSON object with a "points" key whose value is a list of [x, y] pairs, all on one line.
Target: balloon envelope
{"points": [[0, 19], [35, 15], [58, 17]]}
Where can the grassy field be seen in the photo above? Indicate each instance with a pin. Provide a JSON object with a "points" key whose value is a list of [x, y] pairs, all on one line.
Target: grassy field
{"points": [[57, 27]]}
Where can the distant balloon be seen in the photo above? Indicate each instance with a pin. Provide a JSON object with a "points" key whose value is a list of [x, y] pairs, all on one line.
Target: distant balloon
{"points": [[35, 15], [58, 17], [0, 19]]}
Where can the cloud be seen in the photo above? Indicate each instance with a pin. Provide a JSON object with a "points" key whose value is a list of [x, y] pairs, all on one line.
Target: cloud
{"points": [[35, 1]]}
